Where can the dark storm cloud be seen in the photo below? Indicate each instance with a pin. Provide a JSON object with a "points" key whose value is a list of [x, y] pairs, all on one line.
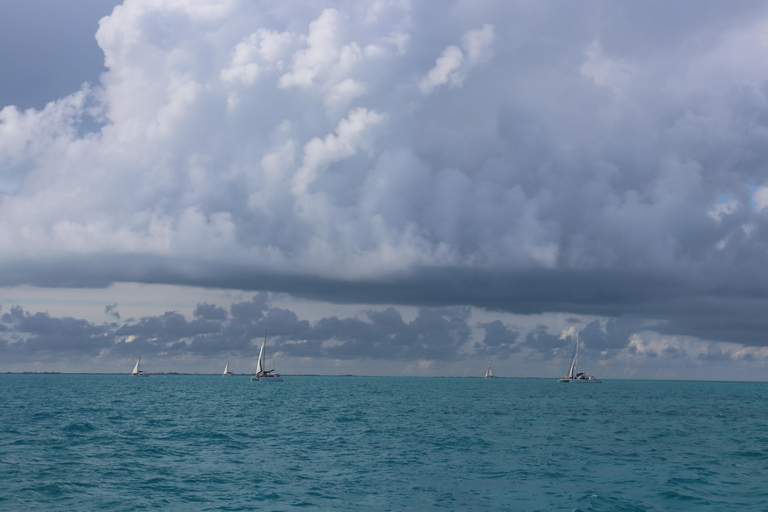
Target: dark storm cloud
{"points": [[210, 312], [14, 316], [250, 311], [499, 340], [434, 334], [613, 334], [725, 307], [112, 311], [545, 343], [673, 353], [45, 325], [169, 326], [716, 355], [249, 321], [33, 336]]}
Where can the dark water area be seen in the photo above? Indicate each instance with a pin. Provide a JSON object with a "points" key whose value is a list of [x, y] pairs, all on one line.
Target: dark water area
{"points": [[116, 443]]}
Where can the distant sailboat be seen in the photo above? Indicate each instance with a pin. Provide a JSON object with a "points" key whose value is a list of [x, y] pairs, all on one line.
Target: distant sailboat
{"points": [[137, 372], [573, 376], [226, 370], [488, 373], [261, 373]]}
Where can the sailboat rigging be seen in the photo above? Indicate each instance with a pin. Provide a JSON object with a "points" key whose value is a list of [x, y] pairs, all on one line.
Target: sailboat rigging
{"points": [[261, 373], [573, 375], [488, 373], [138, 372]]}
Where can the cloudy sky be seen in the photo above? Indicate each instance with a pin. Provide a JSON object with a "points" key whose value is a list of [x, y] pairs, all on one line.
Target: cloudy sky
{"points": [[389, 187]]}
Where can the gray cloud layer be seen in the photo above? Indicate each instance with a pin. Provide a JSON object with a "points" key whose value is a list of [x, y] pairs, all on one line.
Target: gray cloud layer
{"points": [[429, 341], [434, 334], [592, 158]]}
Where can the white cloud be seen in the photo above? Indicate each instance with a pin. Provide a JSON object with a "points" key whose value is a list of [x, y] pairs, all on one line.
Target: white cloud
{"points": [[378, 8], [760, 197], [343, 93], [477, 44], [350, 134], [26, 135], [445, 70], [323, 49], [452, 66], [399, 40]]}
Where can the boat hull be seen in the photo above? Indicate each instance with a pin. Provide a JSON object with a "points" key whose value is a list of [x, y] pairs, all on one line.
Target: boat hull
{"points": [[269, 378]]}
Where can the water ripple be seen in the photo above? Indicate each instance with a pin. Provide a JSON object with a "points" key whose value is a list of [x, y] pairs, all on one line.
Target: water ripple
{"points": [[376, 444]]}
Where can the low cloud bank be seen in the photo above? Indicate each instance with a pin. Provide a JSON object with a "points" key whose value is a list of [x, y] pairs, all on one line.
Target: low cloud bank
{"points": [[441, 339]]}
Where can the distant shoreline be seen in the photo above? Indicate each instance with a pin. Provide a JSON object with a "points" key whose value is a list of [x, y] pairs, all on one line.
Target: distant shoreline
{"points": [[167, 373], [171, 374], [283, 374]]}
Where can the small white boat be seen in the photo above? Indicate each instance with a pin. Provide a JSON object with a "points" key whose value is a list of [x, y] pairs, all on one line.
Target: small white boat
{"points": [[578, 377], [488, 373], [137, 372], [226, 370], [261, 373]]}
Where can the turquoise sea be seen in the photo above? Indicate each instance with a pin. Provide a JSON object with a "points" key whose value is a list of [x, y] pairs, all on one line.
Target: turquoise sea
{"points": [[116, 443]]}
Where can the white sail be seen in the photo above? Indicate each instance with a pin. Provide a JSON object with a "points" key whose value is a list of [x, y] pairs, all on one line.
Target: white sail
{"points": [[488, 372], [262, 374], [261, 364], [226, 369], [136, 368]]}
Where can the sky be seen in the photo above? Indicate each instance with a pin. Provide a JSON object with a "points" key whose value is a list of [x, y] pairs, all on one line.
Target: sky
{"points": [[387, 187]]}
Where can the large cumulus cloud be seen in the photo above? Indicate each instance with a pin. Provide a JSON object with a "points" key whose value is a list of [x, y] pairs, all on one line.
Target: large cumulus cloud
{"points": [[592, 158]]}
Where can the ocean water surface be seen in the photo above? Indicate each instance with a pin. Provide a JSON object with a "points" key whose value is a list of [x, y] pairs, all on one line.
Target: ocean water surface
{"points": [[116, 443]]}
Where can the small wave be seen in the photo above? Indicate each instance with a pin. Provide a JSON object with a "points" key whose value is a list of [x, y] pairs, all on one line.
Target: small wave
{"points": [[681, 497], [594, 502], [685, 482], [51, 489], [348, 419], [79, 427], [749, 454]]}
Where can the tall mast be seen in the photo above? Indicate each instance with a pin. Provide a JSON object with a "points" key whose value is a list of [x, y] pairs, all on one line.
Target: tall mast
{"points": [[572, 370]]}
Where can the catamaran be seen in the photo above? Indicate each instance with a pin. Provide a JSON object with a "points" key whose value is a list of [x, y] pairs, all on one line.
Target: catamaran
{"points": [[488, 373], [261, 373], [226, 370], [137, 372], [573, 376]]}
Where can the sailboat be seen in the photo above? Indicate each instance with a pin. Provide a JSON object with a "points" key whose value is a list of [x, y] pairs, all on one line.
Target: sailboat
{"points": [[488, 373], [573, 376], [261, 373], [137, 372], [226, 370]]}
